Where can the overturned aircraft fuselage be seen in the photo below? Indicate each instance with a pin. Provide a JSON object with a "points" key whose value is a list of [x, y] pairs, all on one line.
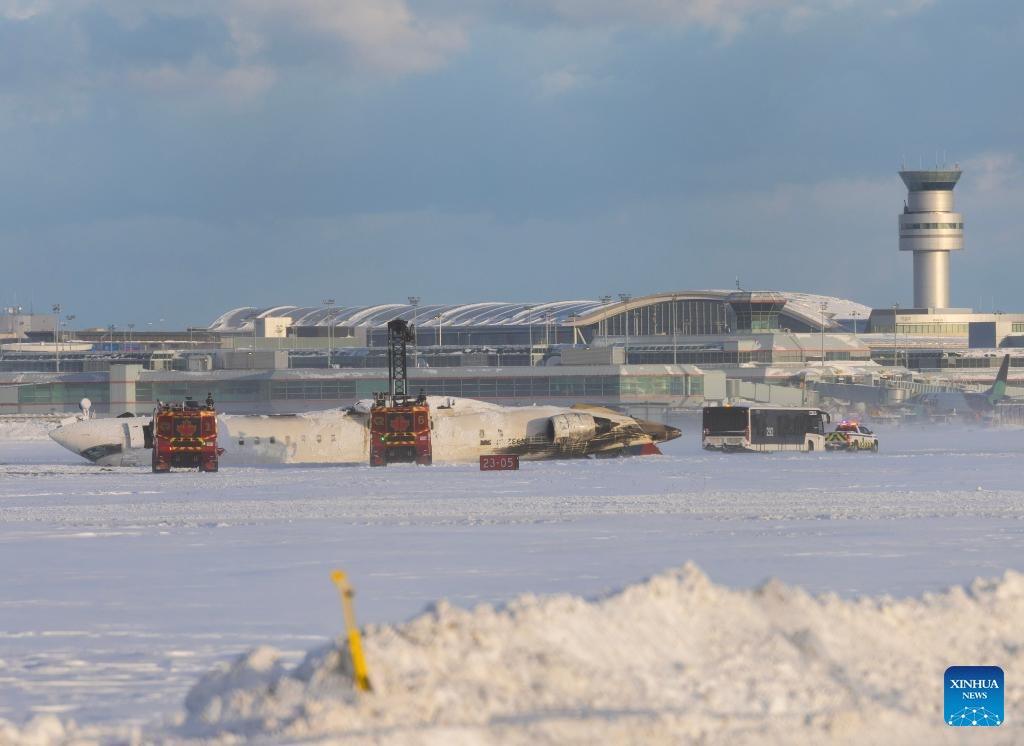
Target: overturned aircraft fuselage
{"points": [[462, 430]]}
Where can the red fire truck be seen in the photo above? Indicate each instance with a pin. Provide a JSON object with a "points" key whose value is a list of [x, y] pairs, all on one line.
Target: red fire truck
{"points": [[184, 435], [400, 433], [399, 423]]}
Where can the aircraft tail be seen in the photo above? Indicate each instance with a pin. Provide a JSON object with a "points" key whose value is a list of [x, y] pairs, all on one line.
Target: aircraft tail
{"points": [[998, 390]]}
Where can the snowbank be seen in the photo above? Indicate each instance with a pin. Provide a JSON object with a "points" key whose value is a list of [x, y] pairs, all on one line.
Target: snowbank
{"points": [[675, 659], [26, 429], [42, 730]]}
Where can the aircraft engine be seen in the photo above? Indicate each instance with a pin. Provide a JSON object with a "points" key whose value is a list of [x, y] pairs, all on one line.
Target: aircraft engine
{"points": [[571, 428]]}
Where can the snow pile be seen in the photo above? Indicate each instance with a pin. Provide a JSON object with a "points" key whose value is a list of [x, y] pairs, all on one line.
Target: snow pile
{"points": [[675, 659], [26, 429], [41, 730]]}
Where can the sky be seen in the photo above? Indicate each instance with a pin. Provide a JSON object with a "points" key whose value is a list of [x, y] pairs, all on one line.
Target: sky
{"points": [[164, 161]]}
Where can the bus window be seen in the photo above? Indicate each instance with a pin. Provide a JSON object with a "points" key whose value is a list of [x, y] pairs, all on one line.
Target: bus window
{"points": [[725, 420]]}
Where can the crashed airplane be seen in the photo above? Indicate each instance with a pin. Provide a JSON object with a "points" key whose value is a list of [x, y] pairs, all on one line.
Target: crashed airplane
{"points": [[462, 430]]}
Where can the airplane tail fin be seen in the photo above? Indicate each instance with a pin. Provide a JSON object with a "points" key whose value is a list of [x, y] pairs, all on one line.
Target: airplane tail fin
{"points": [[998, 390]]}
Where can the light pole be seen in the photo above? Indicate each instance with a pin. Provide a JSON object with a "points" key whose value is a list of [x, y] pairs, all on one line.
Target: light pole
{"points": [[329, 302], [56, 333], [439, 318], [69, 318], [675, 329], [895, 354], [625, 298], [603, 326], [821, 307], [131, 329], [529, 324], [111, 328], [414, 301]]}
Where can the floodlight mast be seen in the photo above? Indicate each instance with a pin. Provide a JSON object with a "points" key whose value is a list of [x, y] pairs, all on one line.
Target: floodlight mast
{"points": [[400, 333]]}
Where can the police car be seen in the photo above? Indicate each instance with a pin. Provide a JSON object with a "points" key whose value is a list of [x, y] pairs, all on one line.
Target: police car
{"points": [[851, 436]]}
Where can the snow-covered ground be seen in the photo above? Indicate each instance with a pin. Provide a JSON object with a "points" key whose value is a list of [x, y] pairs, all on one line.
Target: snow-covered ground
{"points": [[29, 428], [121, 588]]}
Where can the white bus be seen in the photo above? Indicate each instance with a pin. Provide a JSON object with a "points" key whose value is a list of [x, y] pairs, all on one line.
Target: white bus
{"points": [[748, 428]]}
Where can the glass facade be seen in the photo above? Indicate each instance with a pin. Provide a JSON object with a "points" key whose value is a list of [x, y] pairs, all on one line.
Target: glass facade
{"points": [[930, 330], [57, 393], [252, 395], [756, 314], [683, 317], [931, 226]]}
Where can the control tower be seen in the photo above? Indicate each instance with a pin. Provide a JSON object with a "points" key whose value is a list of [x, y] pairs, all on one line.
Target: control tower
{"points": [[931, 229]]}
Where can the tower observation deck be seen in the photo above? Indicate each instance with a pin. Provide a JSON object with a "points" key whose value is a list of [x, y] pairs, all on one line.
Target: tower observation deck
{"points": [[931, 229]]}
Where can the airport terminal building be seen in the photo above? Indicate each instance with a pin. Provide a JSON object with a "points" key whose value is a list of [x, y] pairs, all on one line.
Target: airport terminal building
{"points": [[671, 349]]}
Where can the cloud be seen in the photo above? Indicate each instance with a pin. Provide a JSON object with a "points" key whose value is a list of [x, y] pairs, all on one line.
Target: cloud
{"points": [[21, 10], [379, 36], [995, 173], [724, 17], [235, 84], [188, 48], [557, 82]]}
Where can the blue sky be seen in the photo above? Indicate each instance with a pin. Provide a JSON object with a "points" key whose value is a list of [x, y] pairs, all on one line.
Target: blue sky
{"points": [[366, 150]]}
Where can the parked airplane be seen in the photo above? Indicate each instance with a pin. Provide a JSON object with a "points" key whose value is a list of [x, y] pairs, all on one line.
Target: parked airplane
{"points": [[965, 403], [462, 430]]}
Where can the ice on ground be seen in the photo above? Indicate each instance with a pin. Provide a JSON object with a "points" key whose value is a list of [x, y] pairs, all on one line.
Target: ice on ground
{"points": [[675, 659]]}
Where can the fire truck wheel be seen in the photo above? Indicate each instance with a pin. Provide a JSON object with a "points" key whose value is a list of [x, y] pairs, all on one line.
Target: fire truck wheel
{"points": [[211, 466]]}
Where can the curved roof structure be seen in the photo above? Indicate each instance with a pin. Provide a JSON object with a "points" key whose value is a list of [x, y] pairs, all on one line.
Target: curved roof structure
{"points": [[804, 306], [807, 307], [469, 314]]}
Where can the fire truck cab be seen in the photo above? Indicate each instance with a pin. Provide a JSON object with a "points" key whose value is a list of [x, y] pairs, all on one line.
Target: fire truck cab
{"points": [[400, 433], [184, 435]]}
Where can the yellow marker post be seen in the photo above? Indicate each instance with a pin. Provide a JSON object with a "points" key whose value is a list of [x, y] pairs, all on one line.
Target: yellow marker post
{"points": [[355, 645]]}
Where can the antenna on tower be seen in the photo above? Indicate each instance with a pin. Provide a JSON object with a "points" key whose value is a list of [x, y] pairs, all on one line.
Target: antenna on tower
{"points": [[738, 283]]}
